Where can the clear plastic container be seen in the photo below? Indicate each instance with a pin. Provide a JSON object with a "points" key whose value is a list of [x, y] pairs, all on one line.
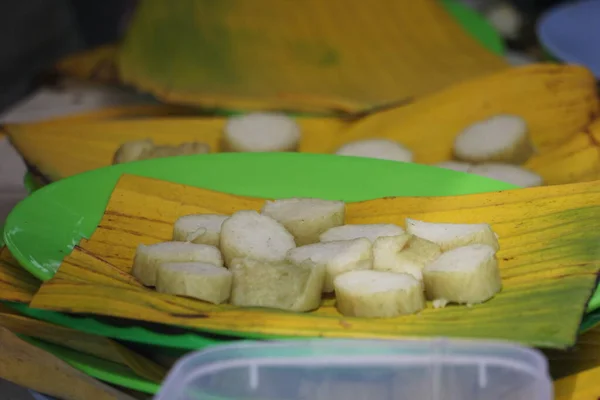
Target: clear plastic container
{"points": [[437, 369]]}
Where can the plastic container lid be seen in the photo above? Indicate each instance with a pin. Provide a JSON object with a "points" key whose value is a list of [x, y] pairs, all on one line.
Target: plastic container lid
{"points": [[437, 369]]}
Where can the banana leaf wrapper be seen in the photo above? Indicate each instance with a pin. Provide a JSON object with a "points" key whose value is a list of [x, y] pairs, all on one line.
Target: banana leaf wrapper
{"points": [[559, 103], [97, 64], [84, 146], [129, 112], [583, 385], [85, 343], [312, 56], [18, 286], [27, 365], [549, 262], [583, 356]]}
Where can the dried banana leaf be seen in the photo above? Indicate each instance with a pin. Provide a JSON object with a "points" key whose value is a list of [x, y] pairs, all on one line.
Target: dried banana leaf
{"points": [[65, 149], [109, 113], [549, 261], [584, 355], [29, 366], [106, 371], [98, 64], [94, 345], [135, 111], [594, 132], [121, 112], [558, 102], [315, 56], [16, 284], [39, 175], [81, 265], [577, 160], [83, 342], [584, 385]]}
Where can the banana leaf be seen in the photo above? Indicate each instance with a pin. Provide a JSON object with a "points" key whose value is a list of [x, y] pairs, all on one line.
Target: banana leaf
{"points": [[85, 343], [594, 132], [581, 386], [117, 375], [16, 284], [97, 65], [29, 366], [583, 356], [39, 174], [558, 103], [576, 370], [122, 112], [97, 346], [549, 261], [61, 150], [310, 56]]}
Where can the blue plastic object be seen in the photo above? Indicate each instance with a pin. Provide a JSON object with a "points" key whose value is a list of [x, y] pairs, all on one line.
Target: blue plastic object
{"points": [[571, 33]]}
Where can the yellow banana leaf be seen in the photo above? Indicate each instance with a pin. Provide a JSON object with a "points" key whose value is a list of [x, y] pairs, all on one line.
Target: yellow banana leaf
{"points": [[313, 55], [16, 284], [549, 262], [557, 101], [61, 150]]}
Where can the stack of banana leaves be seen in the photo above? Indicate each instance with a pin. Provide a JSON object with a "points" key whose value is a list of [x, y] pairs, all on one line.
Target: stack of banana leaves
{"points": [[344, 77], [59, 361], [346, 71], [41, 353]]}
